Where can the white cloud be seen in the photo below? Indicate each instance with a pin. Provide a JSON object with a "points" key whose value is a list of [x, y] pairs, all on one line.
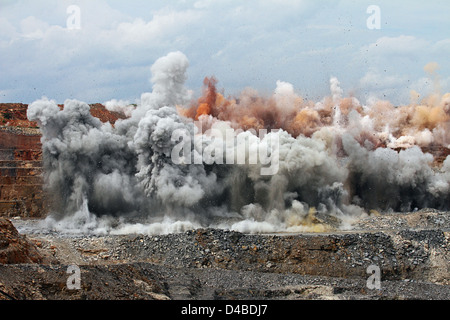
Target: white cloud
{"points": [[401, 45], [7, 30], [375, 79], [163, 24], [203, 4], [397, 88], [442, 46], [379, 85], [242, 43], [33, 28]]}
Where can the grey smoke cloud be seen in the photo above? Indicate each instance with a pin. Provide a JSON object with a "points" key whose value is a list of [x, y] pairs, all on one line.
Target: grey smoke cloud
{"points": [[122, 178]]}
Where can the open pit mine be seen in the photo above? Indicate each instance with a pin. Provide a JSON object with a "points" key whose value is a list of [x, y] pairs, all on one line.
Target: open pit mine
{"points": [[225, 197]]}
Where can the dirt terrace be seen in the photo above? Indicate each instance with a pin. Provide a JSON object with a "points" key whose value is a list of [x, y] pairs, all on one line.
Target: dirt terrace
{"points": [[411, 251]]}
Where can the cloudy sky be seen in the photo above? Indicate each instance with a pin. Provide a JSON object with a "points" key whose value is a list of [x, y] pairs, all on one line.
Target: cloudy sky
{"points": [[105, 50]]}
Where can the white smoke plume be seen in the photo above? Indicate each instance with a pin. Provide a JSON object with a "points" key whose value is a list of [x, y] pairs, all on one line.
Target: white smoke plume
{"points": [[123, 178], [121, 106]]}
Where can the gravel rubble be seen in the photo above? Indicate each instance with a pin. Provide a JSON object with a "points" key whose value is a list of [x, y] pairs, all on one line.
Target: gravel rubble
{"points": [[410, 250]]}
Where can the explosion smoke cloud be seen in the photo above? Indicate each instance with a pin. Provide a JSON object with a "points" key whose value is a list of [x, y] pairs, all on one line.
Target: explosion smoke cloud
{"points": [[336, 159]]}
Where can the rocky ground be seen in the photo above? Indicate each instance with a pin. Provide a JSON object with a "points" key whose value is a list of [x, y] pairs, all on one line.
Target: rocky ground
{"points": [[411, 251]]}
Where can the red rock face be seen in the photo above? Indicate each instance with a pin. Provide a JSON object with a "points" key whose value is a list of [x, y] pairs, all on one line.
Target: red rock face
{"points": [[18, 141], [21, 185], [15, 115], [21, 175], [15, 248], [99, 111]]}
